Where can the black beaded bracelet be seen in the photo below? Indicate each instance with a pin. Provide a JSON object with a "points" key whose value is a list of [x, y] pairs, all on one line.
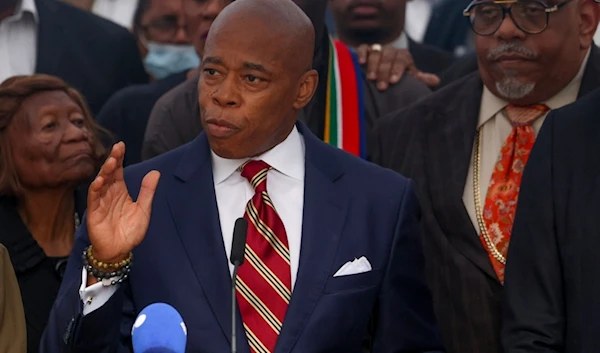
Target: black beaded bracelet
{"points": [[105, 277]]}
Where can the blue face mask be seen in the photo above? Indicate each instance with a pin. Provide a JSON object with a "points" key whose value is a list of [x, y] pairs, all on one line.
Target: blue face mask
{"points": [[166, 59]]}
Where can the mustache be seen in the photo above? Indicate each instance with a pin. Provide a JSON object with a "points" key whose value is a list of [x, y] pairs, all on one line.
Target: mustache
{"points": [[511, 48]]}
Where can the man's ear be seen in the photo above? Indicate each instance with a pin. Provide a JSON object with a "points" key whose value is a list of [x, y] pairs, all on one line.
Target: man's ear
{"points": [[306, 89], [589, 15]]}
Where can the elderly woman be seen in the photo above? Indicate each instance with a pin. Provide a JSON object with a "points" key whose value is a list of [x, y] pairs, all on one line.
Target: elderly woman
{"points": [[49, 145]]}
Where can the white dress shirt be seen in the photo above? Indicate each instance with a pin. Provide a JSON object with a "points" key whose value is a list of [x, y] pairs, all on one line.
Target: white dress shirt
{"points": [[418, 14], [18, 41], [285, 186], [496, 128], [120, 12]]}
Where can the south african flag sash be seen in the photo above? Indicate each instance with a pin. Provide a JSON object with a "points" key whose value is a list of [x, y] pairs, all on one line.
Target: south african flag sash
{"points": [[345, 120]]}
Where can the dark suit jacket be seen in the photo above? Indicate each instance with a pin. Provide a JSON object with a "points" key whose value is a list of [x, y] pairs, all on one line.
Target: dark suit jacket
{"points": [[182, 262], [432, 142], [94, 55], [428, 58], [460, 68], [127, 112], [175, 119], [448, 28], [552, 287]]}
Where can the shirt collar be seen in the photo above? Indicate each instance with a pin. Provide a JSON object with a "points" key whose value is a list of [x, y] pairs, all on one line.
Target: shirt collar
{"points": [[401, 42], [287, 158], [26, 6], [492, 105]]}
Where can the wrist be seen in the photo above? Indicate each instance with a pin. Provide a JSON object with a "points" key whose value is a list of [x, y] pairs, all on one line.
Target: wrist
{"points": [[91, 280], [106, 272], [107, 263], [112, 259]]}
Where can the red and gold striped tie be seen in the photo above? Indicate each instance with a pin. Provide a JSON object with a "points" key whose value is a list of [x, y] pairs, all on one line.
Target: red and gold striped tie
{"points": [[264, 284]]}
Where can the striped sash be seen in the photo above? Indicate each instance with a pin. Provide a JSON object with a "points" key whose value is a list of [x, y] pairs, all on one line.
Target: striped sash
{"points": [[345, 118]]}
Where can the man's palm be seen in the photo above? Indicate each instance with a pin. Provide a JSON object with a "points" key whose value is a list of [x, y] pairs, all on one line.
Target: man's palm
{"points": [[116, 224]]}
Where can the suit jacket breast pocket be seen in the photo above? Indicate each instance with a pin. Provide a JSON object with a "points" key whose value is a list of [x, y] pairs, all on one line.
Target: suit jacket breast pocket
{"points": [[352, 283]]}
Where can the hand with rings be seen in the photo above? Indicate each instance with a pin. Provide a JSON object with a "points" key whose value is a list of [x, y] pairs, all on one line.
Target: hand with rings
{"points": [[387, 65]]}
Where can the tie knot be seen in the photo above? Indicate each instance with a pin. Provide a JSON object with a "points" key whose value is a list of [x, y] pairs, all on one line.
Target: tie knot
{"points": [[523, 115], [255, 172]]}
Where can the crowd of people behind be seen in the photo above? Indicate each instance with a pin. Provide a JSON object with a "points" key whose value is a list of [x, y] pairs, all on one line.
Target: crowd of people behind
{"points": [[488, 107]]}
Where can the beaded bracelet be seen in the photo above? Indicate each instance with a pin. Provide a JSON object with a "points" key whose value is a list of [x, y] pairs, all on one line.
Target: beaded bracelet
{"points": [[116, 274], [106, 266]]}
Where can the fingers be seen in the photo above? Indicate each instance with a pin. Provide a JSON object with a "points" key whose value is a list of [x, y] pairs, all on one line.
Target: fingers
{"points": [[109, 166], [106, 175], [120, 149], [363, 53], [146, 195], [402, 63], [389, 57], [93, 198], [99, 186], [373, 59], [430, 80]]}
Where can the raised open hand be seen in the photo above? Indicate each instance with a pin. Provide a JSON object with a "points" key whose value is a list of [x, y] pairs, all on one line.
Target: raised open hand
{"points": [[116, 224]]}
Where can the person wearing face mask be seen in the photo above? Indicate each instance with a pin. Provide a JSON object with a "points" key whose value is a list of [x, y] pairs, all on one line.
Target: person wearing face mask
{"points": [[49, 146], [169, 57], [159, 26]]}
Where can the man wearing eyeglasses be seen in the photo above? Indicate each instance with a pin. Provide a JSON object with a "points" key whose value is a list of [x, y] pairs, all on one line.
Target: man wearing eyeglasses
{"points": [[467, 144]]}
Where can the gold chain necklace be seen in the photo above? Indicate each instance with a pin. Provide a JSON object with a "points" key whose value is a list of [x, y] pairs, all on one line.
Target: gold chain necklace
{"points": [[477, 196]]}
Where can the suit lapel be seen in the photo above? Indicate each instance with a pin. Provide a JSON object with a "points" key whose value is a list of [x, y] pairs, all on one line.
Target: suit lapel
{"points": [[449, 142], [193, 206], [51, 34], [591, 76], [325, 206]]}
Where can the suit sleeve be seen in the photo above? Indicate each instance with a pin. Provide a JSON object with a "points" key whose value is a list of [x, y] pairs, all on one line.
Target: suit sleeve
{"points": [[13, 336], [533, 295], [105, 330], [404, 315]]}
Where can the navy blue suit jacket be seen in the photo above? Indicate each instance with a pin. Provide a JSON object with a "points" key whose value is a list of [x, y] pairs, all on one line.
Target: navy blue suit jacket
{"points": [[352, 208]]}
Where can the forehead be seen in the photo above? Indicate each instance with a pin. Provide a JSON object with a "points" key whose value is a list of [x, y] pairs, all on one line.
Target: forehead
{"points": [[43, 103], [237, 43]]}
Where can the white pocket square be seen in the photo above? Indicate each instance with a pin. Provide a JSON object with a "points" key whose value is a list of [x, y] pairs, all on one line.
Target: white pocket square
{"points": [[357, 266]]}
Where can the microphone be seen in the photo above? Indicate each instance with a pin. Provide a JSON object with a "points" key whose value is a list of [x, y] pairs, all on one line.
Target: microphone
{"points": [[238, 251], [159, 329]]}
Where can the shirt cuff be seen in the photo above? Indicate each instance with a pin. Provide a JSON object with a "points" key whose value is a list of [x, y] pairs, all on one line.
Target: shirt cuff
{"points": [[96, 295]]}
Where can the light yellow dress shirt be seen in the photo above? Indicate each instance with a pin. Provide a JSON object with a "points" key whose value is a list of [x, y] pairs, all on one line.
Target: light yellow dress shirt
{"points": [[495, 130]]}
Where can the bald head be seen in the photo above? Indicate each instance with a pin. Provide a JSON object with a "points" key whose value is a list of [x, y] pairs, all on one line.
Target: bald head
{"points": [[256, 75], [273, 24]]}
